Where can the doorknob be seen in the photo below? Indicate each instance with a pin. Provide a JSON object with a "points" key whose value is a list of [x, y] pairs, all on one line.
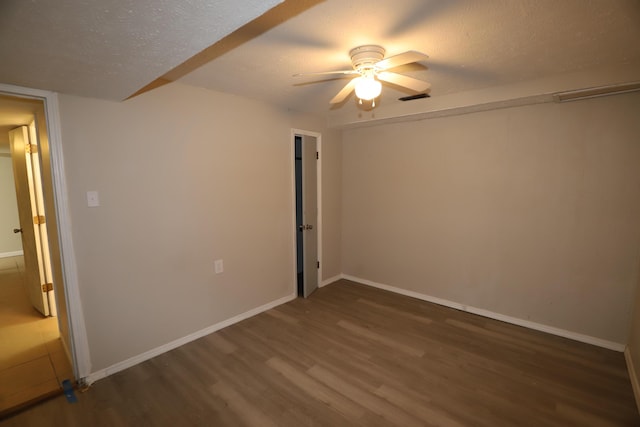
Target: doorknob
{"points": [[309, 227], [17, 230], [301, 227]]}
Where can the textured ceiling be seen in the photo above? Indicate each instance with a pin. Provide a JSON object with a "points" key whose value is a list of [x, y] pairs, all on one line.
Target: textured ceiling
{"points": [[472, 44], [112, 48]]}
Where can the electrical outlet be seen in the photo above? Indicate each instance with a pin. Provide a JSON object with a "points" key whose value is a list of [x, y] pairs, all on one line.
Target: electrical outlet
{"points": [[93, 200], [219, 266]]}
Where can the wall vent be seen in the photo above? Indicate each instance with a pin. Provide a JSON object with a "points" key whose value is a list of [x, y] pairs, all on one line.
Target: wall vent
{"points": [[595, 92]]}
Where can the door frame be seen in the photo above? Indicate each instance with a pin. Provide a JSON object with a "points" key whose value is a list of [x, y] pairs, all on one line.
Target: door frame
{"points": [[292, 157], [79, 350]]}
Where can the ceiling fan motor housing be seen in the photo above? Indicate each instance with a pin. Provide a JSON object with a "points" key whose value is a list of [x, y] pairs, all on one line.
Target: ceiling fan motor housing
{"points": [[365, 57]]}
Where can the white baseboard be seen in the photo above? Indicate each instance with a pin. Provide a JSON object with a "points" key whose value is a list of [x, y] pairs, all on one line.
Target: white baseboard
{"points": [[10, 254], [497, 316], [633, 376], [120, 366], [331, 280], [103, 373]]}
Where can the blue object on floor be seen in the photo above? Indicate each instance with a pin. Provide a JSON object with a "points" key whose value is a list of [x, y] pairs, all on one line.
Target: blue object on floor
{"points": [[67, 387]]}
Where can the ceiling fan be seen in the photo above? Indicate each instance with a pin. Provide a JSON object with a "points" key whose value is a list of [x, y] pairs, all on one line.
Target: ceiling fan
{"points": [[371, 67]]}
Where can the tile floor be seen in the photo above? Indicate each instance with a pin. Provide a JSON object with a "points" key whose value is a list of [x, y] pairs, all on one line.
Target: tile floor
{"points": [[32, 360]]}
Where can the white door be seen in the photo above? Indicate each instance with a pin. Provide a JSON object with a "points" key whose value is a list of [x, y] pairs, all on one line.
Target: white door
{"points": [[309, 214], [32, 219]]}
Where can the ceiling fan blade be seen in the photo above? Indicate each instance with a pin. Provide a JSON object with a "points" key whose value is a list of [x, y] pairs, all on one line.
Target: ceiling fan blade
{"points": [[326, 72], [404, 81], [344, 92], [401, 59]]}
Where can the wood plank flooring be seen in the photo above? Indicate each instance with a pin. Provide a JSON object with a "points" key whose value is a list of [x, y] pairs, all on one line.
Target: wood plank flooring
{"points": [[32, 360], [352, 355]]}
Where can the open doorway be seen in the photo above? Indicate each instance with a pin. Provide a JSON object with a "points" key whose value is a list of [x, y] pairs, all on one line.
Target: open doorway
{"points": [[306, 148], [34, 356]]}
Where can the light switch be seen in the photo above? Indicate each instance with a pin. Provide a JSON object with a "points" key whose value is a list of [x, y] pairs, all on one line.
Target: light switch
{"points": [[219, 266], [92, 199]]}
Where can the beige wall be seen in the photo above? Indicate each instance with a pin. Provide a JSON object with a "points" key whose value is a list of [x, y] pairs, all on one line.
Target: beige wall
{"points": [[331, 204], [185, 176], [529, 212], [633, 347], [9, 241]]}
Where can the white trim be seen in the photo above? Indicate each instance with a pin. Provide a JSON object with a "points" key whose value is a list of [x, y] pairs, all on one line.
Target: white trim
{"points": [[319, 204], [497, 316], [292, 156], [633, 376], [292, 207], [79, 342], [132, 361], [77, 331], [331, 280], [10, 254]]}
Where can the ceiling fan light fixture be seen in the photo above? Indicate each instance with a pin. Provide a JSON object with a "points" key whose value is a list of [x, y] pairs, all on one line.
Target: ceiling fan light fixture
{"points": [[369, 63], [367, 88]]}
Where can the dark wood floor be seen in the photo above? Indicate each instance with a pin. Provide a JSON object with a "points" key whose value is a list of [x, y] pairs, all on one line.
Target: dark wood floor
{"points": [[352, 355]]}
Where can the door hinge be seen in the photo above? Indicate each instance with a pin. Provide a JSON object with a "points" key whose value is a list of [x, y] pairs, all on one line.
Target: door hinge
{"points": [[47, 287], [317, 155], [31, 148], [39, 219], [318, 264]]}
